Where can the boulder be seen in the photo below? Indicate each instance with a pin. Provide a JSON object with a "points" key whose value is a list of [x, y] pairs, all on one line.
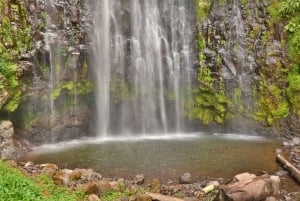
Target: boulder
{"points": [[139, 179], [143, 197], [93, 197], [246, 187], [7, 147], [186, 178], [87, 174], [243, 177], [97, 188], [160, 197]]}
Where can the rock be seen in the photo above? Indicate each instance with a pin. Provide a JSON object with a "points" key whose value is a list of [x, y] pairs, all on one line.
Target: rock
{"points": [[296, 140], [75, 175], [104, 186], [88, 174], [49, 165], [154, 183], [159, 197], [91, 188], [139, 179], [190, 199], [7, 147], [243, 177], [96, 188], [281, 173], [124, 199], [28, 165], [12, 163], [114, 185], [186, 178], [251, 189], [61, 178], [271, 199], [50, 170], [214, 183], [143, 197], [93, 197]]}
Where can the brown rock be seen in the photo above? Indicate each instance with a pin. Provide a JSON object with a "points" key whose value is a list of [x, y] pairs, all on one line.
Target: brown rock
{"points": [[143, 197], [190, 199], [104, 186], [91, 188], [253, 189], [243, 177], [114, 185], [93, 197], [160, 197], [61, 178], [271, 199], [49, 165], [154, 183], [75, 175], [97, 188]]}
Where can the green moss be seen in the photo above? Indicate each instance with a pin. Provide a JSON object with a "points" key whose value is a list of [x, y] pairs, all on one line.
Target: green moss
{"points": [[81, 87], [201, 41], [272, 104], [120, 90], [293, 90], [13, 102], [210, 103], [15, 40], [202, 9]]}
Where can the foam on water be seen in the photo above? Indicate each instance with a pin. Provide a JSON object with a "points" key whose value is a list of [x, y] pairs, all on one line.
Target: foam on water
{"points": [[158, 137]]}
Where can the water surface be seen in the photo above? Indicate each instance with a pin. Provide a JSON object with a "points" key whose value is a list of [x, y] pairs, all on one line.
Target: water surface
{"points": [[164, 156]]}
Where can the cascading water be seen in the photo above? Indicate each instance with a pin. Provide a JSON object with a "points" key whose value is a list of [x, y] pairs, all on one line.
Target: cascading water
{"points": [[142, 56]]}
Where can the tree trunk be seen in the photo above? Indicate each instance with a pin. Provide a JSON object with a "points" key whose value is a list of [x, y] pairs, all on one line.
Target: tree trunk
{"points": [[290, 167]]}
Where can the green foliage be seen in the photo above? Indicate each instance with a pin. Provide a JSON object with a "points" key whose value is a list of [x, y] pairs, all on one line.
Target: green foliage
{"points": [[15, 186], [111, 196], [210, 103], [293, 90], [293, 29], [120, 90], [290, 10], [201, 41], [15, 40], [272, 104], [81, 87], [274, 11], [8, 70], [202, 9], [13, 102], [289, 7], [55, 192]]}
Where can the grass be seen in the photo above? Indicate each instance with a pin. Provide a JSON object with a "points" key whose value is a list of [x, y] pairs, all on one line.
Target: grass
{"points": [[14, 186]]}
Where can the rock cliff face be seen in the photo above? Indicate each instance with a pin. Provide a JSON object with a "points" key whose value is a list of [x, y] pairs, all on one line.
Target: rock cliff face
{"points": [[7, 146], [241, 45], [54, 107], [46, 90]]}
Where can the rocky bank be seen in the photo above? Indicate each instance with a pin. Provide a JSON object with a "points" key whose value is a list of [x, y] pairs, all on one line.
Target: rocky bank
{"points": [[242, 187]]}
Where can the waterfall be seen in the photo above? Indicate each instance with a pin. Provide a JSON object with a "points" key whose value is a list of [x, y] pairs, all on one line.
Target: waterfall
{"points": [[142, 55]]}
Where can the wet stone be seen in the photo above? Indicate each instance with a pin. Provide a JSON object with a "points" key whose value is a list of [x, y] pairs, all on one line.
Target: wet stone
{"points": [[186, 178]]}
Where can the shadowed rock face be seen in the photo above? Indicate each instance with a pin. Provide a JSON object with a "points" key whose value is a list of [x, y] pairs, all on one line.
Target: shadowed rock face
{"points": [[7, 148]]}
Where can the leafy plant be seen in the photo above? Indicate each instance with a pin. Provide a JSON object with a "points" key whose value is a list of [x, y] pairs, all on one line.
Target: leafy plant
{"points": [[15, 186], [210, 103]]}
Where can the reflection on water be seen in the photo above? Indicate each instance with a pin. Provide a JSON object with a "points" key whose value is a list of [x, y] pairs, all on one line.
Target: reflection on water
{"points": [[164, 156]]}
